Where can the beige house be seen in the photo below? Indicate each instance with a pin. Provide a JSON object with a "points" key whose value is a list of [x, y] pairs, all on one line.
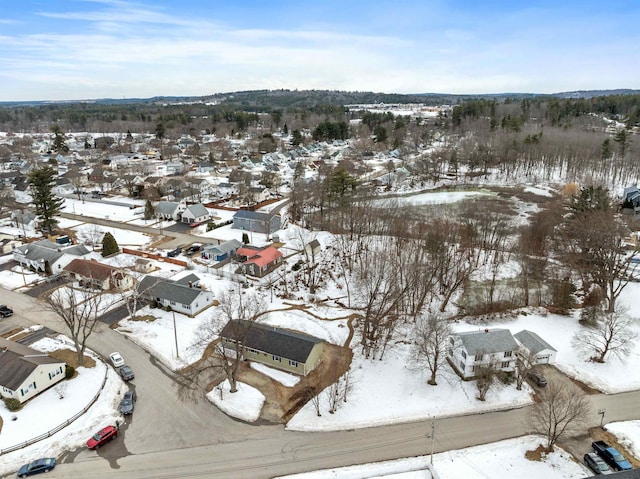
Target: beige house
{"points": [[25, 372], [93, 274], [276, 347]]}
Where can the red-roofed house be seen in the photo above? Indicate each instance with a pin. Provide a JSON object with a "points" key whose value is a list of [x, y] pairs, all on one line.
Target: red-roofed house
{"points": [[92, 274], [258, 261]]}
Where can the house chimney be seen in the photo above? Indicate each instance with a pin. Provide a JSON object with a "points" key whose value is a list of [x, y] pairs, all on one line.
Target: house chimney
{"points": [[190, 284], [486, 330]]}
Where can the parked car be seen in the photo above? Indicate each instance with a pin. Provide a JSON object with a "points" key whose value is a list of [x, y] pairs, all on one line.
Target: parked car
{"points": [[44, 464], [103, 436], [611, 456], [127, 402], [174, 252], [126, 373], [5, 311], [596, 464], [193, 249], [116, 359], [538, 379]]}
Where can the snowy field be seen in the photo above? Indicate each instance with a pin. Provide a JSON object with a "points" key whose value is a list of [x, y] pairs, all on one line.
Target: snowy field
{"points": [[498, 460]]}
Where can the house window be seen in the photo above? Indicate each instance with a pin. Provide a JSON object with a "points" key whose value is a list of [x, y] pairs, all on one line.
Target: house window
{"points": [[507, 354], [276, 358], [186, 306], [172, 303], [451, 341], [479, 357], [505, 364], [464, 354], [450, 352], [293, 363], [461, 366]]}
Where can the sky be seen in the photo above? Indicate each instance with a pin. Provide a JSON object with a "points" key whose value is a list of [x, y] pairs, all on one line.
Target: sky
{"points": [[86, 49]]}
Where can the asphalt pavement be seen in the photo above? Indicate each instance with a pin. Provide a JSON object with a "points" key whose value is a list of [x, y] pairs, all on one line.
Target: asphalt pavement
{"points": [[170, 436]]}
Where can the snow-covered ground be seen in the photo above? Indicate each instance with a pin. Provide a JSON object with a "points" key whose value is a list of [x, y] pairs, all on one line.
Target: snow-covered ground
{"points": [[47, 411], [498, 460]]}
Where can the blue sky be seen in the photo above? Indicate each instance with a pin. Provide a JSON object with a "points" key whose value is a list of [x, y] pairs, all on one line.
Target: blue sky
{"points": [[83, 49]]}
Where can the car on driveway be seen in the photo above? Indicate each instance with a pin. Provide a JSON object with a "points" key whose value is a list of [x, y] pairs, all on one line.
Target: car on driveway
{"points": [[44, 464], [127, 402], [5, 311], [596, 464], [193, 249], [538, 379], [102, 437], [174, 252], [116, 359], [126, 373]]}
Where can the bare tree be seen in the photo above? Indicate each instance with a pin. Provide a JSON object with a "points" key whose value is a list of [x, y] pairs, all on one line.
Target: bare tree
{"points": [[612, 334], [562, 410], [525, 362], [431, 341], [234, 317], [79, 309], [485, 376]]}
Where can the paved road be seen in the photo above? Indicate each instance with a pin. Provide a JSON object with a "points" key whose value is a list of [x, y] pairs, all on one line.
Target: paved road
{"points": [[172, 238], [168, 437]]}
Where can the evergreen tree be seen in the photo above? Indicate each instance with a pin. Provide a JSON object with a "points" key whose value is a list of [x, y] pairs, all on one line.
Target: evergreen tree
{"points": [[296, 138], [109, 245], [245, 238], [622, 139], [380, 133], [285, 129], [605, 152], [59, 141], [46, 204], [149, 211]]}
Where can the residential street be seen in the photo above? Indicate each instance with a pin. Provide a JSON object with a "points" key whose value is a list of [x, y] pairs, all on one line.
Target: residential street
{"points": [[170, 437]]}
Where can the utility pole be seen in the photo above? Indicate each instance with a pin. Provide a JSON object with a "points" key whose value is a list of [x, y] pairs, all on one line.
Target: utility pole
{"points": [[175, 334], [433, 438]]}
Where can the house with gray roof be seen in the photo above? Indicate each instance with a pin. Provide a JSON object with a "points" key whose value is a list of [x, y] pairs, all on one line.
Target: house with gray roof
{"points": [[169, 210], [535, 348], [279, 348], [219, 252], [25, 372], [183, 295], [197, 213], [256, 221], [488, 347], [39, 254]]}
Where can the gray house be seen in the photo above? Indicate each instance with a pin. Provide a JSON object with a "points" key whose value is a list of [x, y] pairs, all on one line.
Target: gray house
{"points": [[197, 213], [169, 210], [257, 222], [276, 347], [488, 347], [219, 252], [183, 295]]}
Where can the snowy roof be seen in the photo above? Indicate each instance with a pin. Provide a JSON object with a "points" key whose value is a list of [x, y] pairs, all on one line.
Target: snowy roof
{"points": [[166, 207], [168, 289], [269, 339], [253, 215], [532, 341], [225, 247], [198, 210], [488, 341]]}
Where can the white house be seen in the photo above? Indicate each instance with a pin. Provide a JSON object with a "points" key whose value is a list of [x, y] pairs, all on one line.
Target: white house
{"points": [[183, 295], [197, 213], [39, 254], [25, 372], [169, 210], [536, 348], [487, 347]]}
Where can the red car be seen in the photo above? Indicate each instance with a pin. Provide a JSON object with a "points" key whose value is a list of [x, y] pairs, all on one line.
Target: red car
{"points": [[103, 436]]}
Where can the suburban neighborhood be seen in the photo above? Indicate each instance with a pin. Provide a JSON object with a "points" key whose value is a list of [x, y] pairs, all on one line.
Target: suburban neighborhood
{"points": [[401, 302]]}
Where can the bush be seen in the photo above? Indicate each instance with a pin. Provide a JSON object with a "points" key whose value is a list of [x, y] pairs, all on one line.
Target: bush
{"points": [[167, 308], [69, 371], [12, 404], [109, 245]]}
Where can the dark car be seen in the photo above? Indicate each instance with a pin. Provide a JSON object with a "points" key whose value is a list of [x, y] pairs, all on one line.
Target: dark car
{"points": [[193, 249], [175, 252], [596, 464], [44, 464], [103, 436], [126, 373], [5, 311], [538, 379], [127, 402]]}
